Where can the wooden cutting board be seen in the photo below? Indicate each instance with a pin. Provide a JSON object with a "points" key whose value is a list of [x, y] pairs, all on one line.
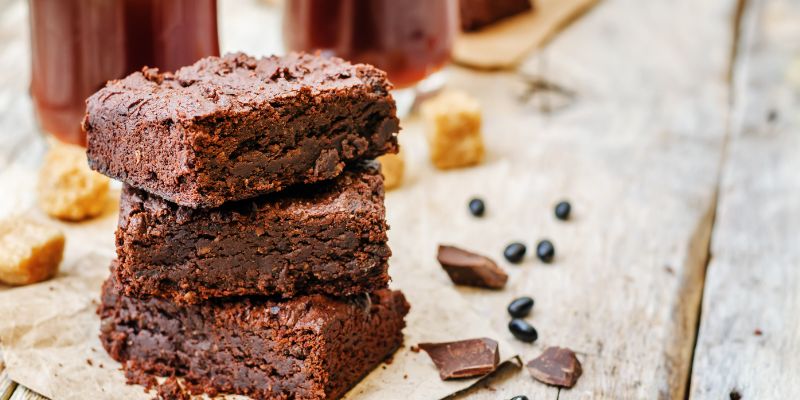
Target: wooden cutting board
{"points": [[506, 43]]}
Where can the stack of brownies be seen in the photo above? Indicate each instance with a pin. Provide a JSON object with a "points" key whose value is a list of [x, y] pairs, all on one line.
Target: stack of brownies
{"points": [[251, 248]]}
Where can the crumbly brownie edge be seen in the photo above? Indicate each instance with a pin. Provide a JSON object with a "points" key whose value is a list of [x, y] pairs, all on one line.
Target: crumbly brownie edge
{"points": [[188, 149], [150, 338], [329, 238]]}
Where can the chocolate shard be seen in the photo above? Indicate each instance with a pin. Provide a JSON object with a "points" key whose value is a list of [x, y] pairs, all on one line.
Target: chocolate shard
{"points": [[557, 366], [470, 269], [465, 358]]}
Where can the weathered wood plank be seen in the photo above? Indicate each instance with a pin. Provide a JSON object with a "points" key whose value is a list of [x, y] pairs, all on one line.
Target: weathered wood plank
{"points": [[22, 393], [6, 385], [749, 339], [637, 152]]}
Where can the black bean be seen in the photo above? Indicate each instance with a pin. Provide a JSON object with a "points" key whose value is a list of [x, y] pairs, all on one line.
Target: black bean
{"points": [[522, 330], [476, 207], [520, 307], [515, 252], [562, 210], [545, 251]]}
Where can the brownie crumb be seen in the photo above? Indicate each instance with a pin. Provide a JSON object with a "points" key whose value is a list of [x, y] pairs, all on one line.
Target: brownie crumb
{"points": [[735, 395], [758, 332], [414, 348], [171, 389], [89, 361]]}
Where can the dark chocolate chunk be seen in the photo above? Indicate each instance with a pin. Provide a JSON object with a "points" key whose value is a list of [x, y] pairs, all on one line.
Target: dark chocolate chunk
{"points": [[470, 269], [522, 330], [514, 252], [557, 366], [545, 251], [464, 358], [477, 207], [520, 307], [562, 210]]}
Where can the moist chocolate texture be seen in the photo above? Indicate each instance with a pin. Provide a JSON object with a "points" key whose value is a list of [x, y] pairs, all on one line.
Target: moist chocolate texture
{"points": [[329, 237], [309, 347], [235, 127]]}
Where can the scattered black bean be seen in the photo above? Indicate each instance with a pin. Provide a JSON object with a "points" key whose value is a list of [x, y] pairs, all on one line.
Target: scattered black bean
{"points": [[545, 251], [476, 207], [522, 330], [520, 307], [520, 397], [562, 210], [515, 252], [772, 116]]}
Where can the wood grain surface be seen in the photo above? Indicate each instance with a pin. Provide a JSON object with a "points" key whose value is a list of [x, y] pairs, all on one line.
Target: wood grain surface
{"points": [[749, 339], [631, 115], [637, 150], [6, 385]]}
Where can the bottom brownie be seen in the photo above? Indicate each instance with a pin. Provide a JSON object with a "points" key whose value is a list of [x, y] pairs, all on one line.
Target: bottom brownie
{"points": [[309, 347]]}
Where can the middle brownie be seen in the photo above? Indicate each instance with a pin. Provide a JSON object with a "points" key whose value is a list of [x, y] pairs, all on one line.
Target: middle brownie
{"points": [[328, 237]]}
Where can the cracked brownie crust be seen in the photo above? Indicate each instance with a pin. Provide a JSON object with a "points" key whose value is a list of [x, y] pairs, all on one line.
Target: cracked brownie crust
{"points": [[235, 127], [310, 347], [328, 238]]}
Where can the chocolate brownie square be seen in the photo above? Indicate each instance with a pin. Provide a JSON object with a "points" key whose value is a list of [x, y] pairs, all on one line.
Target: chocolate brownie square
{"points": [[476, 14], [235, 127], [329, 237], [309, 347]]}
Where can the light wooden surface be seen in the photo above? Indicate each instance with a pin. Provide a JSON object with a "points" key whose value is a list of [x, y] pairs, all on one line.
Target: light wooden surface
{"points": [[638, 153], [749, 339], [638, 147]]}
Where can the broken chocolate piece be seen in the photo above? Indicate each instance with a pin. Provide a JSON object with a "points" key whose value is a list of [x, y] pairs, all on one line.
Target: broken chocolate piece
{"points": [[470, 269], [465, 358], [557, 366]]}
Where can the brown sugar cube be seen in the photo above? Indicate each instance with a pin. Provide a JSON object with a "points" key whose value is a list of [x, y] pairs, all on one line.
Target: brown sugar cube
{"points": [[29, 252], [392, 166], [67, 188], [453, 128]]}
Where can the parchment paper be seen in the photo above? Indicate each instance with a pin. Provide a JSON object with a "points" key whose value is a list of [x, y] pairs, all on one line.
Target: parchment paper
{"points": [[506, 43], [49, 331]]}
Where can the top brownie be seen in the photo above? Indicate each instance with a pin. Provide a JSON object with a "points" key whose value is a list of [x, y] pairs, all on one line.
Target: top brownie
{"points": [[235, 127]]}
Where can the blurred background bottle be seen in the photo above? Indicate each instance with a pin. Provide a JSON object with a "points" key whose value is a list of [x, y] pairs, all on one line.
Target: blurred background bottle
{"points": [[77, 45], [410, 39]]}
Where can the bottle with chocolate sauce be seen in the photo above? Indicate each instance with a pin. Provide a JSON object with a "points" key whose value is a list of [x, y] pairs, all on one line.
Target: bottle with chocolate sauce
{"points": [[78, 45], [411, 39]]}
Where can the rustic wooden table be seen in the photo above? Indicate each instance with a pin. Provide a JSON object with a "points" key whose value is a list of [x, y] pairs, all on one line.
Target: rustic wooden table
{"points": [[681, 152]]}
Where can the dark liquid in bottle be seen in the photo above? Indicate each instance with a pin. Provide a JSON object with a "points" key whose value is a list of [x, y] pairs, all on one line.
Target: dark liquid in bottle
{"points": [[77, 45], [409, 39]]}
